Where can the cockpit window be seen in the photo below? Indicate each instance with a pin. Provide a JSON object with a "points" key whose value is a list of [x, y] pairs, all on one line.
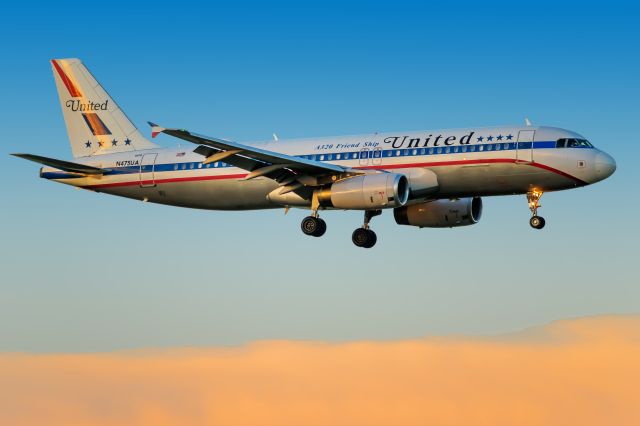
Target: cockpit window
{"points": [[573, 143]]}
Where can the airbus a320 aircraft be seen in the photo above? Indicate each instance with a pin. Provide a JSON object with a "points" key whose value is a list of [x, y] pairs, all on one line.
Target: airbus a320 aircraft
{"points": [[432, 178]]}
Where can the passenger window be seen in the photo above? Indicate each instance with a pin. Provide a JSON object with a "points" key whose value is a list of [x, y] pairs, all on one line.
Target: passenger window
{"points": [[430, 151], [398, 153], [481, 148], [321, 157], [439, 150], [455, 149], [464, 149], [472, 148], [415, 152], [175, 167], [337, 156], [446, 150]]}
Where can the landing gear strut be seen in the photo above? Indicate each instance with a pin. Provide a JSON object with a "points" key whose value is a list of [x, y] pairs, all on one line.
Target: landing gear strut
{"points": [[365, 237], [533, 198]]}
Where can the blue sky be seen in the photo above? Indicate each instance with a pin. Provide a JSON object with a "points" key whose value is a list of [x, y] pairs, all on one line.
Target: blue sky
{"points": [[85, 272]]}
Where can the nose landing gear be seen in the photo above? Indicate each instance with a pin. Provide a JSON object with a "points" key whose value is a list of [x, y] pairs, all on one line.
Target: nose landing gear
{"points": [[533, 198], [365, 237]]}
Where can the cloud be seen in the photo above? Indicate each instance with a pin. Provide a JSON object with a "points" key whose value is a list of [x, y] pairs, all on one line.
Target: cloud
{"points": [[576, 372]]}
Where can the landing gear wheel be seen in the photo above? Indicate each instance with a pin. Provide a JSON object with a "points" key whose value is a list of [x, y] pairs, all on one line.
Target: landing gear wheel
{"points": [[313, 226], [322, 229], [537, 222], [365, 238], [373, 239]]}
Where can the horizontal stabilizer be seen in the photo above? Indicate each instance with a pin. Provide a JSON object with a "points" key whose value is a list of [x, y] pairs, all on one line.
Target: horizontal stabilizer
{"points": [[67, 166]]}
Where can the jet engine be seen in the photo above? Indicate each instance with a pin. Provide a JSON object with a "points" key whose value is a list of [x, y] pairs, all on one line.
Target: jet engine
{"points": [[440, 213], [366, 192]]}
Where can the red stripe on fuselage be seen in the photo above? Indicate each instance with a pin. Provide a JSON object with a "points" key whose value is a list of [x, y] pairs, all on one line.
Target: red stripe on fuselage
{"points": [[478, 161], [73, 90], [159, 181], [381, 167]]}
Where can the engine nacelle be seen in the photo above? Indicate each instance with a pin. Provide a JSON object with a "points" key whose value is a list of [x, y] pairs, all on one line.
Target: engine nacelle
{"points": [[440, 213], [366, 192]]}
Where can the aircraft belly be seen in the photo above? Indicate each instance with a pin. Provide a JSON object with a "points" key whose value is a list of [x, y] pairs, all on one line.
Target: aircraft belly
{"points": [[497, 179]]}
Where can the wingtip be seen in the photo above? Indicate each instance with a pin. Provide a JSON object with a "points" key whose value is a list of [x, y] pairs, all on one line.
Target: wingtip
{"points": [[155, 129]]}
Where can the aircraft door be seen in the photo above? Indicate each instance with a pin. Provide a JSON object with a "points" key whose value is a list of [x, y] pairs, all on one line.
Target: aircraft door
{"points": [[147, 170], [524, 150]]}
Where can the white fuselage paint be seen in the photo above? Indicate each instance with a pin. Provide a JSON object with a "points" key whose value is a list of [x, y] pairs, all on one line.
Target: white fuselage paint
{"points": [[491, 161]]}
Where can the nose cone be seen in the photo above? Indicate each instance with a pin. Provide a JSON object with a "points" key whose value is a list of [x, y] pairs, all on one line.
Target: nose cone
{"points": [[605, 165]]}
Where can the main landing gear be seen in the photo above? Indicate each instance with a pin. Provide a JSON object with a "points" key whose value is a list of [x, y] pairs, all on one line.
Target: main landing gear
{"points": [[365, 237], [533, 198], [361, 237], [313, 225]]}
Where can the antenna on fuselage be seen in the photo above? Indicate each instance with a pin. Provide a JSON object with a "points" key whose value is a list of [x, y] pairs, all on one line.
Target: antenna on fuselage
{"points": [[527, 122], [275, 137]]}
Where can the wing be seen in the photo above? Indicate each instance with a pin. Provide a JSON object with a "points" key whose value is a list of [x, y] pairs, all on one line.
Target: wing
{"points": [[67, 166], [290, 172]]}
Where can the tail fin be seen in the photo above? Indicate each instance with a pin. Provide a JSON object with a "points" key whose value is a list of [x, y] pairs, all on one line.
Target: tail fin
{"points": [[95, 123]]}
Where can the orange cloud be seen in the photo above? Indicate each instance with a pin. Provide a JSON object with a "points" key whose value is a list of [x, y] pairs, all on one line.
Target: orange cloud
{"points": [[577, 372]]}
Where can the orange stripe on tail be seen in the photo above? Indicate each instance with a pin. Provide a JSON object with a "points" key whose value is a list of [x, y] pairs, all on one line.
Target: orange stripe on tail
{"points": [[73, 90]]}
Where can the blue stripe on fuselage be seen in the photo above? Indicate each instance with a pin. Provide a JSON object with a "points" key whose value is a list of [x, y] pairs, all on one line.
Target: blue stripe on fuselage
{"points": [[323, 157]]}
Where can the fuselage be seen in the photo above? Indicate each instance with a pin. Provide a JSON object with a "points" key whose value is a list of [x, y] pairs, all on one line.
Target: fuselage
{"points": [[468, 162]]}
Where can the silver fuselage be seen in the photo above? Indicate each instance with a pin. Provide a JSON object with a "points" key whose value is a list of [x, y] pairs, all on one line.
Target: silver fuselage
{"points": [[492, 161]]}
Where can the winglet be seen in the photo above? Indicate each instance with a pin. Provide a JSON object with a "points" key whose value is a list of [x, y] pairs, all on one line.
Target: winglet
{"points": [[155, 129]]}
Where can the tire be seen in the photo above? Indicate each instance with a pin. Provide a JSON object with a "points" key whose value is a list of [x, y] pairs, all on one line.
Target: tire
{"points": [[360, 237], [310, 225], [365, 238], [373, 238], [537, 222], [322, 228]]}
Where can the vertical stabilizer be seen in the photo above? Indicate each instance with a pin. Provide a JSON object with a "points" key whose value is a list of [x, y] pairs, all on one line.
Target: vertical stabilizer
{"points": [[95, 123]]}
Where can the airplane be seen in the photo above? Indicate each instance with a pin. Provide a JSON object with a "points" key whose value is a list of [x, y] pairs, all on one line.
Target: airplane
{"points": [[432, 178]]}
